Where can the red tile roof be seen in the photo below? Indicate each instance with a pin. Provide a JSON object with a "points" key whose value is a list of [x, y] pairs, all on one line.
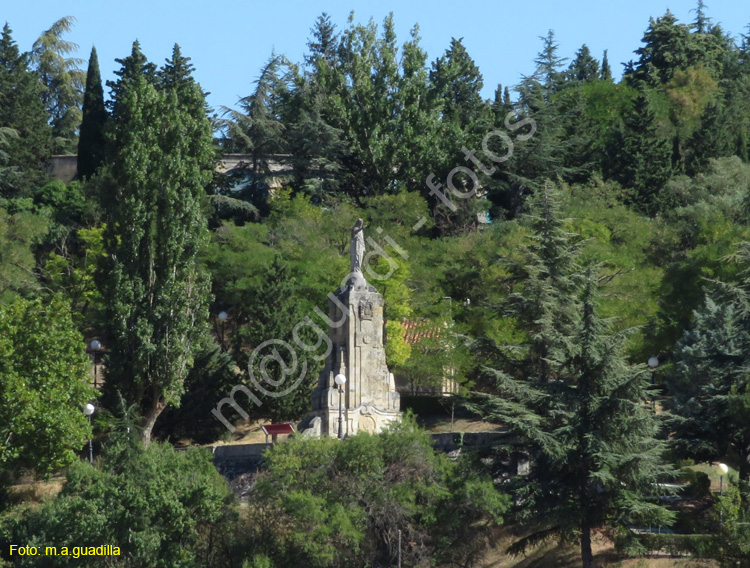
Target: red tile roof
{"points": [[418, 330]]}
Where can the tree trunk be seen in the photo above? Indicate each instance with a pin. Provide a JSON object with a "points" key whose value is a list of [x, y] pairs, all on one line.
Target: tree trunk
{"points": [[587, 556], [149, 419]]}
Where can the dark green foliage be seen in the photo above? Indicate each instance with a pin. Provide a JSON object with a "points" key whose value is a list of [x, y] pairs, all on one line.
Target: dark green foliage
{"points": [[584, 68], [132, 68], [732, 545], [20, 233], [163, 508], [328, 504], [670, 46], [63, 83], [711, 395], [155, 293], [644, 161], [570, 395], [606, 72], [272, 314], [21, 110], [210, 379], [91, 141]]}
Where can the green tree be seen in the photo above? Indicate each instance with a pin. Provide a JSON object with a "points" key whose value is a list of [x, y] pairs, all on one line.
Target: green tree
{"points": [[21, 109], [160, 507], [20, 233], [335, 504], [606, 72], [709, 385], [732, 544], [644, 161], [91, 141], [584, 68], [258, 130], [271, 314], [567, 391], [63, 82], [591, 434], [43, 387], [155, 293]]}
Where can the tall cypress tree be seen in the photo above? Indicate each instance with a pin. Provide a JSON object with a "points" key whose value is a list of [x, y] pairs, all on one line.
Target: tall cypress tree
{"points": [[606, 72], [91, 141], [644, 156], [156, 294]]}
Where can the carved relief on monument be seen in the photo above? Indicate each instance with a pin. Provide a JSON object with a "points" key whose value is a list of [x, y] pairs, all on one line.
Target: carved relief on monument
{"points": [[365, 310]]}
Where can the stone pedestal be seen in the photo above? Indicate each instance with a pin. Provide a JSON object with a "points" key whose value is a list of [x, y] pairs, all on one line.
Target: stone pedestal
{"points": [[370, 400]]}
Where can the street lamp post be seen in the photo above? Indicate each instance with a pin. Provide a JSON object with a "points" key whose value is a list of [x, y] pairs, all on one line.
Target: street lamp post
{"points": [[222, 317], [723, 469], [340, 381], [95, 348], [653, 362], [88, 410]]}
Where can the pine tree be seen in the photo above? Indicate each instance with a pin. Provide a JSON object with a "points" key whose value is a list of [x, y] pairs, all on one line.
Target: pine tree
{"points": [[584, 67], [156, 295], [63, 82], [273, 315], [324, 42], [709, 382], [549, 64], [667, 47], [702, 22], [644, 160], [91, 141], [21, 110], [258, 130], [455, 80], [578, 407]]}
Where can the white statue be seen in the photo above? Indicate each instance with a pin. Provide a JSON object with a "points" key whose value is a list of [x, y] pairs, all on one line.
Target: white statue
{"points": [[357, 247]]}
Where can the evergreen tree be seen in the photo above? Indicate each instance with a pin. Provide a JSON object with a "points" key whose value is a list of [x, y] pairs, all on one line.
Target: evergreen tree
{"points": [[606, 72], [155, 293], [21, 110], [461, 119], [584, 67], [63, 82], [456, 82], [317, 146], [702, 23], [324, 42], [258, 129], [667, 47], [272, 315], [709, 383], [580, 410], [132, 68], [91, 141], [545, 285], [644, 160], [549, 64]]}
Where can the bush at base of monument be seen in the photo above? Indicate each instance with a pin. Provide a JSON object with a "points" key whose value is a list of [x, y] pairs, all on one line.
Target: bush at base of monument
{"points": [[327, 503]]}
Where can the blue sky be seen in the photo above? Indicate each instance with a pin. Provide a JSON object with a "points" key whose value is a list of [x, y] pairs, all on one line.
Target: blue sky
{"points": [[229, 41]]}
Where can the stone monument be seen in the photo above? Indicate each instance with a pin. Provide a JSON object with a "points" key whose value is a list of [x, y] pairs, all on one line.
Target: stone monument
{"points": [[370, 400]]}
